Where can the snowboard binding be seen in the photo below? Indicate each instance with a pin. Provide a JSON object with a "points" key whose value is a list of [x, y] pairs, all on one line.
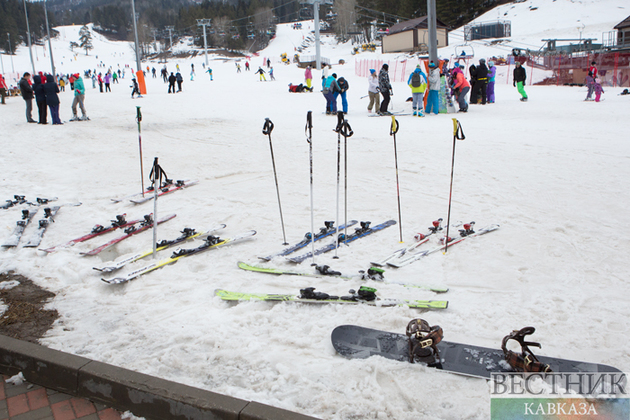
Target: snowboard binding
{"points": [[526, 361], [423, 340], [373, 273]]}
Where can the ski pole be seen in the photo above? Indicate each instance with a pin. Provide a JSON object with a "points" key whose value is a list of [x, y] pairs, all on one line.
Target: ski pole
{"points": [[392, 132], [267, 129], [139, 119], [346, 132], [308, 130], [338, 130], [458, 134]]}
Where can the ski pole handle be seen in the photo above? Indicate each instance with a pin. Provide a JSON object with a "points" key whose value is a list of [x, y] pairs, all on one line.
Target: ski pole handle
{"points": [[308, 129], [394, 128], [458, 132], [139, 114], [268, 127]]}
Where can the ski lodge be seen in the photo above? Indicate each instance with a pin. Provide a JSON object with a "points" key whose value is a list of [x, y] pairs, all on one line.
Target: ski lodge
{"points": [[413, 36]]}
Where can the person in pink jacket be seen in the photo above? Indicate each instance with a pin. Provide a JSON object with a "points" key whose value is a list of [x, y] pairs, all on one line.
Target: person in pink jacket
{"points": [[308, 75], [461, 87]]}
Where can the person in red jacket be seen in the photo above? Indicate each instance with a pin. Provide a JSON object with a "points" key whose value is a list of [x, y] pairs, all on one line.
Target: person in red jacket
{"points": [[461, 86], [3, 89]]}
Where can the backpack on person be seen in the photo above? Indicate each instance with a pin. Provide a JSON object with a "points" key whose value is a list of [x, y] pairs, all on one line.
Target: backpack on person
{"points": [[416, 80]]}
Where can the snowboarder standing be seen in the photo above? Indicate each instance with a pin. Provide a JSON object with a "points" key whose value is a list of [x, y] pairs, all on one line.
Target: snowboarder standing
{"points": [[492, 73], [433, 101], [375, 97], [473, 84], [27, 95], [519, 80], [418, 84], [385, 87], [79, 99]]}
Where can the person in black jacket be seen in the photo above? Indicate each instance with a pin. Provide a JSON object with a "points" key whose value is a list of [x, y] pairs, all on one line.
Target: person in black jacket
{"points": [[52, 99], [473, 83], [40, 98], [171, 83], [27, 94], [482, 82], [519, 80]]}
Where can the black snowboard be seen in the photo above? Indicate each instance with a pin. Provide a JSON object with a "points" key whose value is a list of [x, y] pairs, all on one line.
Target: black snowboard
{"points": [[356, 342]]}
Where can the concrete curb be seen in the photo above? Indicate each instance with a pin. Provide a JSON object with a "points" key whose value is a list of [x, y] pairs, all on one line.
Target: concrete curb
{"points": [[143, 395]]}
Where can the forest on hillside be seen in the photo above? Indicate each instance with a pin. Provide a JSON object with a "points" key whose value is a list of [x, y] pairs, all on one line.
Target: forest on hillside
{"points": [[236, 24]]}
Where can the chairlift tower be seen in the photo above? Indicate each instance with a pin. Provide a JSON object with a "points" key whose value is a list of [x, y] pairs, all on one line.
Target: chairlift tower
{"points": [[316, 4], [170, 30], [204, 23]]}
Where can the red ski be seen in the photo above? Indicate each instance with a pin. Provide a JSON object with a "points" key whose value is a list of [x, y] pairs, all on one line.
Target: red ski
{"points": [[130, 231], [97, 230]]}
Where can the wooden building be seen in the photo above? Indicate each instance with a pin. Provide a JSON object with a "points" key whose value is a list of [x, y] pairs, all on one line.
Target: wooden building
{"points": [[413, 35]]}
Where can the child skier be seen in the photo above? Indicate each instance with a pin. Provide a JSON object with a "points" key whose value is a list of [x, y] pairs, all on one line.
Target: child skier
{"points": [[492, 73], [598, 89], [262, 74], [433, 101], [135, 88]]}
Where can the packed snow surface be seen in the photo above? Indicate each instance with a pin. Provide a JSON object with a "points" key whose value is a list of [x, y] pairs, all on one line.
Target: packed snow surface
{"points": [[552, 172]]}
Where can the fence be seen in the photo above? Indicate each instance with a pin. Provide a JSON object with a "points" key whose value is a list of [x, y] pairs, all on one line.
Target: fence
{"points": [[399, 71]]}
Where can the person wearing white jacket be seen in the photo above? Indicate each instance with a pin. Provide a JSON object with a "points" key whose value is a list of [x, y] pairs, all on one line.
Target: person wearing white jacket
{"points": [[433, 100], [375, 98]]}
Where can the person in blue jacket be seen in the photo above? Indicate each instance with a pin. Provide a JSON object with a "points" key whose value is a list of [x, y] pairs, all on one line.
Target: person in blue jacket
{"points": [[418, 84], [329, 87]]}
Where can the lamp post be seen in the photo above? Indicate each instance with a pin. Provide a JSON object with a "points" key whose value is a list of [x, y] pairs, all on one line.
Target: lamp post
{"points": [[52, 61], [135, 32], [28, 37]]}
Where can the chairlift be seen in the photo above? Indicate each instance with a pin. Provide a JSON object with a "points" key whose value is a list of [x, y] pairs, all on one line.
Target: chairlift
{"points": [[464, 52]]}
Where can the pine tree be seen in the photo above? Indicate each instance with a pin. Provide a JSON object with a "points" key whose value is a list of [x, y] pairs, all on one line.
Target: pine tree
{"points": [[85, 37]]}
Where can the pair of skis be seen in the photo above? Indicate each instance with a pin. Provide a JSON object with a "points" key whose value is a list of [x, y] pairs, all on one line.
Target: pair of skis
{"points": [[21, 199], [465, 233], [166, 188], [27, 216], [327, 230], [375, 274], [211, 242], [358, 233], [364, 296]]}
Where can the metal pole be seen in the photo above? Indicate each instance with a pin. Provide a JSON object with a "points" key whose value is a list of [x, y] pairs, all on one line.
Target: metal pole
{"points": [[28, 37], [11, 52], [2, 63], [432, 24], [203, 23], [318, 58], [170, 34], [135, 32], [52, 60]]}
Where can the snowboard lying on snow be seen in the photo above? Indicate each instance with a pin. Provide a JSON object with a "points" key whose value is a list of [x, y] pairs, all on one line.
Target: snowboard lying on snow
{"points": [[356, 342]]}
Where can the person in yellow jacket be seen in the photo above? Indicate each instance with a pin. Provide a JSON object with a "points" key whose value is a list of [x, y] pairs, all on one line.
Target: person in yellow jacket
{"points": [[418, 84]]}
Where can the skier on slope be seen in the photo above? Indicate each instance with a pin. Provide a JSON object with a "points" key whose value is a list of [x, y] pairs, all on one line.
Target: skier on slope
{"points": [[135, 88], [329, 87], [482, 81], [79, 98], [519, 80], [375, 99], [52, 99], [180, 80], [308, 76], [262, 74]]}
